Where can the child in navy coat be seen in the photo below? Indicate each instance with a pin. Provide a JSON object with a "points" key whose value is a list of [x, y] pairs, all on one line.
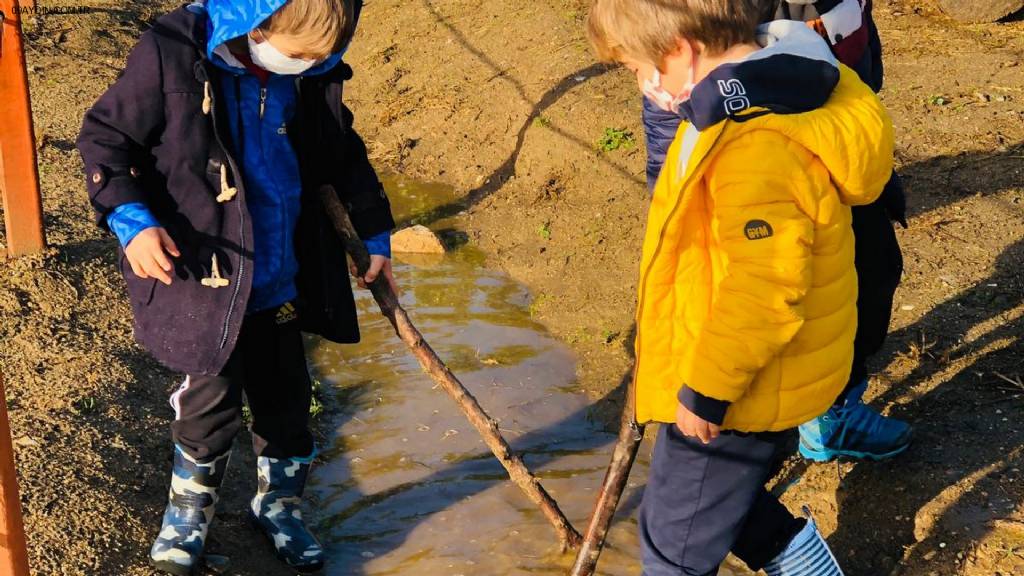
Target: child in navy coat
{"points": [[204, 159]]}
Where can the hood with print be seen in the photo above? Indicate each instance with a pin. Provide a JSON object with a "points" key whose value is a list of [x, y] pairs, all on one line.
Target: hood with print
{"points": [[788, 82]]}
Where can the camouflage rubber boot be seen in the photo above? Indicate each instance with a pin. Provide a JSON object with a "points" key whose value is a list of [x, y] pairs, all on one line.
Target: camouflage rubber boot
{"points": [[178, 548], [277, 512]]}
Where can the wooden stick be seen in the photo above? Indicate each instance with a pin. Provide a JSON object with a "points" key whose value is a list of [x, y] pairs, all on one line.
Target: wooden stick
{"points": [[1016, 382], [484, 424], [631, 435]]}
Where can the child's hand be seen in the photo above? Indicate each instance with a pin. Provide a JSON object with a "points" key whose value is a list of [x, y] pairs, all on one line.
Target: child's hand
{"points": [[694, 426], [147, 257], [378, 265]]}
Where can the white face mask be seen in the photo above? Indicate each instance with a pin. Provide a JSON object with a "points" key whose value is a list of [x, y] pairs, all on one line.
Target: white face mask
{"points": [[273, 60], [663, 98]]}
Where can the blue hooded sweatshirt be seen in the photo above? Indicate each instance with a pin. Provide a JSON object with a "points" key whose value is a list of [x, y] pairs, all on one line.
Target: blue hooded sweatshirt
{"points": [[258, 115]]}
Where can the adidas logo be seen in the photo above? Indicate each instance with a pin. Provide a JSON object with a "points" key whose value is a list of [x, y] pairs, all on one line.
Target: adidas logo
{"points": [[286, 313]]}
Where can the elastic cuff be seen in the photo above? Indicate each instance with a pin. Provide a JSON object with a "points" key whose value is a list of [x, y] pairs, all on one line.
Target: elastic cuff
{"points": [[128, 220], [131, 236], [709, 409], [379, 244]]}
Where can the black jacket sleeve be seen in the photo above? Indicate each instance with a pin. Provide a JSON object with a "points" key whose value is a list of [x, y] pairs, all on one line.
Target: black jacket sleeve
{"points": [[347, 165], [360, 188], [120, 130]]}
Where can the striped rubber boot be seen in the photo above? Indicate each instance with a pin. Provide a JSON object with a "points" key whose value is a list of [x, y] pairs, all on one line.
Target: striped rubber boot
{"points": [[191, 504], [806, 555], [277, 512]]}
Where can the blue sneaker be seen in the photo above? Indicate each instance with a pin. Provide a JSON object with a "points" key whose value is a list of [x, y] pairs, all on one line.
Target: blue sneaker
{"points": [[853, 430], [178, 548], [277, 512]]}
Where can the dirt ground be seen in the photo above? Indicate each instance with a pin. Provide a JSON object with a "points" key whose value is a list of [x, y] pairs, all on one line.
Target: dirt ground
{"points": [[503, 101]]}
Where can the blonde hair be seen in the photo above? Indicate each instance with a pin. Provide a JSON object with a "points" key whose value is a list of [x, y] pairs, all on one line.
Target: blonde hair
{"points": [[322, 26], [650, 30]]}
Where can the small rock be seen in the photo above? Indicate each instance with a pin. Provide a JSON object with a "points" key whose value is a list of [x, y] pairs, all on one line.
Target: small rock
{"points": [[26, 441], [417, 240], [907, 307]]}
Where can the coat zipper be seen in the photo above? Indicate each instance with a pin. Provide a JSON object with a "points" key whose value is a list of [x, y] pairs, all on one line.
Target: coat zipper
{"points": [[284, 205], [241, 221], [645, 274]]}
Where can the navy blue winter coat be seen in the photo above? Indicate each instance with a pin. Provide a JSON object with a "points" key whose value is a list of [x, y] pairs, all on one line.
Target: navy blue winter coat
{"points": [[148, 140]]}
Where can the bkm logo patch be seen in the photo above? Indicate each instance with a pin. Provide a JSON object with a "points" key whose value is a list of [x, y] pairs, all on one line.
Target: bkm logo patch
{"points": [[758, 230]]}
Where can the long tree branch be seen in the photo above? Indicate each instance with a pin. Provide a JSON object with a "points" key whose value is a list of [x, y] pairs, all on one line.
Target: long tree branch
{"points": [[630, 436], [432, 364]]}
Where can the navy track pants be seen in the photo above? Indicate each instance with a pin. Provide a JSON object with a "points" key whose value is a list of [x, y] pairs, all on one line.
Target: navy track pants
{"points": [[703, 501]]}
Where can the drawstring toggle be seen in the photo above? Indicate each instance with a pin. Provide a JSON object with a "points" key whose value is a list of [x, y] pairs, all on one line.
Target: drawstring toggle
{"points": [[227, 192], [215, 280]]}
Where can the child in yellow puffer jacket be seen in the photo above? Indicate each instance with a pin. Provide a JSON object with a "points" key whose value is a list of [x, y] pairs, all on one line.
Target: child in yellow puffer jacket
{"points": [[747, 304]]}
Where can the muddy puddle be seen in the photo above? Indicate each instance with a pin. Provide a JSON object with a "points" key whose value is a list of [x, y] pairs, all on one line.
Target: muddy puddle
{"points": [[408, 487]]}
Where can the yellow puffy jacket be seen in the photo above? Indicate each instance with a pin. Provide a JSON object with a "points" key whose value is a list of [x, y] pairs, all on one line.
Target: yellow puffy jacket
{"points": [[747, 285]]}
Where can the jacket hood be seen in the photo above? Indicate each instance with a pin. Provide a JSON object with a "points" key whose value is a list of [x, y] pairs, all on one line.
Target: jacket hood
{"points": [[794, 85], [851, 132], [230, 19], [852, 135], [793, 72]]}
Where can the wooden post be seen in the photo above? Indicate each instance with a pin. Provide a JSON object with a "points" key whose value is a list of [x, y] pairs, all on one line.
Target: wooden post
{"points": [[19, 176], [13, 553]]}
